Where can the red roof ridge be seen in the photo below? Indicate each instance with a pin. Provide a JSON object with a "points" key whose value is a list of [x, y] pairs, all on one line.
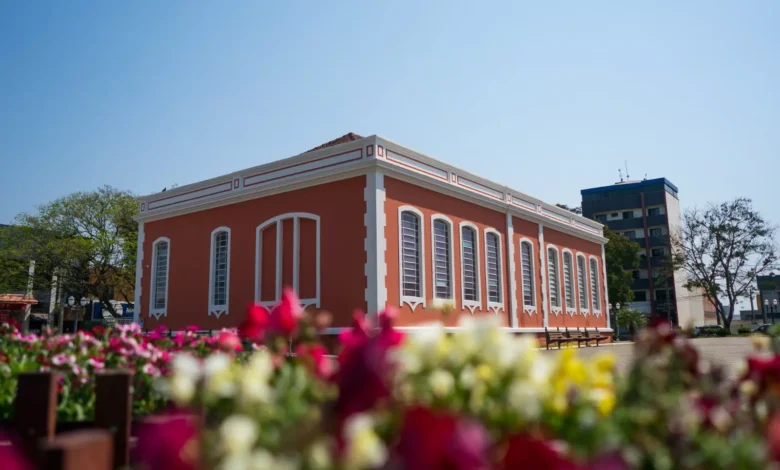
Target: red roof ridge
{"points": [[348, 137]]}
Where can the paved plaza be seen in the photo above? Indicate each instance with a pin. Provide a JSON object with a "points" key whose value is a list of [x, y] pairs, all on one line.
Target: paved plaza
{"points": [[729, 352]]}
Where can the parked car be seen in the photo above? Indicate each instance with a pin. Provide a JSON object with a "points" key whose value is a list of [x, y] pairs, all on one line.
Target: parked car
{"points": [[708, 330], [763, 329]]}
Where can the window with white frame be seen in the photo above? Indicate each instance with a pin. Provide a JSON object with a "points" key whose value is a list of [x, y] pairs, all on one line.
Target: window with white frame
{"points": [[442, 257], [411, 253], [493, 267], [594, 284], [469, 265], [568, 280], [582, 283], [161, 255], [219, 276], [527, 260], [553, 278]]}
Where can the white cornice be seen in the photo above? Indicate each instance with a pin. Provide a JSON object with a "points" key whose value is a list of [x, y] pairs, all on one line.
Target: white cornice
{"points": [[354, 159]]}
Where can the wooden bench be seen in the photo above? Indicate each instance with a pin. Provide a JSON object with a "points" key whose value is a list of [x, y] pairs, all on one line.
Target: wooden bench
{"points": [[555, 337], [577, 336], [594, 336]]}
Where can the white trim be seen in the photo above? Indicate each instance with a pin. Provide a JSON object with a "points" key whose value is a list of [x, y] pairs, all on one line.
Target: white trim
{"points": [[158, 312], [586, 270], [413, 329], [214, 309], [412, 301], [529, 309], [496, 306], [470, 304], [553, 308], [453, 297], [543, 276], [572, 274], [139, 273], [606, 290], [278, 220], [596, 311], [510, 253], [376, 242]]}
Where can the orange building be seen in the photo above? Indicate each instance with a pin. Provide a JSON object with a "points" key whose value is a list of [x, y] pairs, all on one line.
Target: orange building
{"points": [[362, 222]]}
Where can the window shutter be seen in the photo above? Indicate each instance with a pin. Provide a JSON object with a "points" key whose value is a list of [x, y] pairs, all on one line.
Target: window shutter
{"points": [[161, 275], [220, 268], [552, 271], [594, 284], [528, 277], [470, 276], [567, 280], [493, 272], [441, 260], [410, 246], [582, 282]]}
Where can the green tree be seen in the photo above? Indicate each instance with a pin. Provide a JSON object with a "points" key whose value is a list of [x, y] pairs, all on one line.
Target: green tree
{"points": [[88, 239], [722, 249], [631, 319], [621, 257]]}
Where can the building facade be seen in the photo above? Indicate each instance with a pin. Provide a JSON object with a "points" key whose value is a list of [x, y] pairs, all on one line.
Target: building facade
{"points": [[365, 223], [769, 296], [647, 212]]}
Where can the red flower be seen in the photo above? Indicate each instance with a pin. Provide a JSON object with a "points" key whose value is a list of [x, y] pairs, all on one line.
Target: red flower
{"points": [[168, 442], [286, 315], [773, 437], [158, 333], [228, 341], [438, 440], [524, 451], [10, 455], [255, 323], [192, 328], [317, 355]]}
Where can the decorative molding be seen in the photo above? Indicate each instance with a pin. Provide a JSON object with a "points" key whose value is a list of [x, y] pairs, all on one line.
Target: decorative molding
{"points": [[278, 220], [480, 188], [572, 281], [606, 289], [470, 304], [189, 196], [586, 270], [139, 273], [369, 151], [302, 168], [236, 183], [153, 311], [529, 309], [380, 151], [519, 202], [417, 165], [542, 276], [214, 309], [448, 221], [412, 301], [495, 306], [510, 250], [596, 311], [559, 217], [375, 243]]}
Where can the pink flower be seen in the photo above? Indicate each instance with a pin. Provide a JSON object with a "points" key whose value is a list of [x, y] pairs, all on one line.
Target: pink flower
{"points": [[317, 356], [286, 315], [228, 341], [149, 369], [11, 456], [96, 363], [168, 442], [192, 328], [255, 323]]}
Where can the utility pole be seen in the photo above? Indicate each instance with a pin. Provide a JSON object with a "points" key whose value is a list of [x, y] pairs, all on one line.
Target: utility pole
{"points": [[752, 312]]}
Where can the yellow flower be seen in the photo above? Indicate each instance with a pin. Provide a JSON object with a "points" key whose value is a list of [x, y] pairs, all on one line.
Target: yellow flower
{"points": [[559, 403], [364, 449], [484, 372], [604, 362], [441, 382]]}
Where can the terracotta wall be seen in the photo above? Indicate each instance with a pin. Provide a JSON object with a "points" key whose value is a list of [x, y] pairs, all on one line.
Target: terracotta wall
{"points": [[525, 229], [340, 206]]}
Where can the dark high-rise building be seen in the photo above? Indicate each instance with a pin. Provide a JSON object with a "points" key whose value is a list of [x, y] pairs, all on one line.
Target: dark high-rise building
{"points": [[647, 212]]}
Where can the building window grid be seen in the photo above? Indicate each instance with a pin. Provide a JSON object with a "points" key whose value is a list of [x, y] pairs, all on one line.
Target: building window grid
{"points": [[220, 272], [553, 278], [411, 254], [568, 281], [442, 258], [594, 285], [161, 276], [526, 252], [582, 284], [470, 264], [493, 268]]}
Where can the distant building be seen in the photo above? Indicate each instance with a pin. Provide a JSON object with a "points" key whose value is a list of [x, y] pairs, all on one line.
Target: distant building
{"points": [[769, 296], [647, 212]]}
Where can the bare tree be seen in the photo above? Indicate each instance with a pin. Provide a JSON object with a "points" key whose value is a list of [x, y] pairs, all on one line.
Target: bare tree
{"points": [[722, 249]]}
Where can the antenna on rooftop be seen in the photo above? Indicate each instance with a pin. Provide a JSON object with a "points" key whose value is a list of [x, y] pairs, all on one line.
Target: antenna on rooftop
{"points": [[625, 162], [620, 173]]}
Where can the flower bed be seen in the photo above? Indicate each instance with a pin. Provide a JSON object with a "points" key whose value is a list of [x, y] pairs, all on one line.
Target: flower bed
{"points": [[477, 399]]}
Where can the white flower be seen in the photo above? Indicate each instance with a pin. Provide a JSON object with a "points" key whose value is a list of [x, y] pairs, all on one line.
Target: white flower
{"points": [[238, 434], [237, 462], [523, 398], [443, 305], [364, 449], [319, 456], [260, 364], [254, 388], [186, 365], [406, 359], [441, 382], [261, 459], [216, 364], [181, 388], [468, 377]]}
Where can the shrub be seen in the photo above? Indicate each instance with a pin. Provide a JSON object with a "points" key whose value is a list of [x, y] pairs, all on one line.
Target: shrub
{"points": [[743, 330]]}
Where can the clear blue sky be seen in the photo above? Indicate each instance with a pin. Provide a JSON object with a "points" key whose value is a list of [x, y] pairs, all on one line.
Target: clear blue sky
{"points": [[548, 98]]}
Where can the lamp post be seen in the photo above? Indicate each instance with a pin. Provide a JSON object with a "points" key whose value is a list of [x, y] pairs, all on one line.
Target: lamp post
{"points": [[615, 327], [72, 302], [771, 308]]}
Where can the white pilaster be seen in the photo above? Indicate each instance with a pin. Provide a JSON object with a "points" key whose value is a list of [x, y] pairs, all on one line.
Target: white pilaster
{"points": [[375, 243], [29, 293], [604, 283], [542, 276], [139, 272], [510, 251]]}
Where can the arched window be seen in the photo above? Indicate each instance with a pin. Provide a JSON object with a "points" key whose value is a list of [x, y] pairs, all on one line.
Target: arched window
{"points": [[219, 273], [442, 257], [527, 266], [469, 265], [568, 281], [287, 253], [161, 260], [553, 279], [594, 285], [582, 284], [410, 239], [493, 269]]}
